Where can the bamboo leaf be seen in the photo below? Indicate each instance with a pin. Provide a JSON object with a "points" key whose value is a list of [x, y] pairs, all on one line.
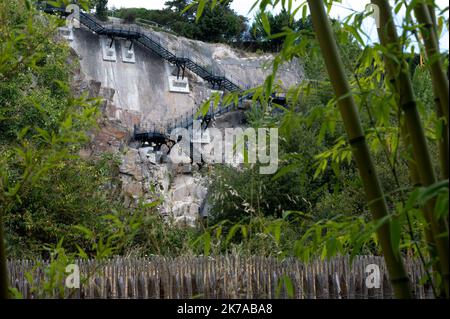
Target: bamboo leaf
{"points": [[265, 22], [441, 208], [432, 191], [207, 243], [87, 232], [201, 7], [232, 232]]}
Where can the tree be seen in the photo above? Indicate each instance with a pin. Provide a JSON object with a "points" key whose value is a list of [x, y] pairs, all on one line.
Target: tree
{"points": [[221, 24], [427, 17], [277, 24], [129, 17], [177, 5], [33, 88], [101, 9]]}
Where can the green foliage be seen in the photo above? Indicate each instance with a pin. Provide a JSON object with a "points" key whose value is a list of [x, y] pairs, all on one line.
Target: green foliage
{"points": [[43, 127], [76, 192], [268, 27], [242, 194], [218, 24], [296, 234], [55, 272], [313, 206], [336, 221], [423, 88], [101, 9], [45, 187]]}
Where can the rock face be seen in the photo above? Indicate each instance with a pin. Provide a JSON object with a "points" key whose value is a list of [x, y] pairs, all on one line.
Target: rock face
{"points": [[186, 197], [146, 175], [142, 179], [139, 92], [241, 67], [182, 192], [132, 94]]}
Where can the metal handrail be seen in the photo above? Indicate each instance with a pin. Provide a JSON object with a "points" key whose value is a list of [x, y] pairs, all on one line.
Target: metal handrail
{"points": [[193, 63], [133, 29]]}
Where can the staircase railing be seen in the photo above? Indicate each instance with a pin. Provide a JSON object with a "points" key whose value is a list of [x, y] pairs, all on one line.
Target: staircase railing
{"points": [[143, 38], [148, 41]]}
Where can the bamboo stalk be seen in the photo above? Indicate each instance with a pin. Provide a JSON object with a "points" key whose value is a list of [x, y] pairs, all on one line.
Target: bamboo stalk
{"points": [[360, 149], [443, 142], [443, 156], [444, 138], [389, 39], [412, 165], [429, 35]]}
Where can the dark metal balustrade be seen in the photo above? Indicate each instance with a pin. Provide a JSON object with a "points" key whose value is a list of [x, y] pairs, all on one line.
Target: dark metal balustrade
{"points": [[145, 133]]}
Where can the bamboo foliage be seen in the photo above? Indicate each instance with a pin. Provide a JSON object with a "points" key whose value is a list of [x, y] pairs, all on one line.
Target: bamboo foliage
{"points": [[415, 180], [389, 39], [360, 149], [442, 145]]}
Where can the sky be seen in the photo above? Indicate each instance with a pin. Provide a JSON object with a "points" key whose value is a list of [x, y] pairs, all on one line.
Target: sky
{"points": [[243, 7]]}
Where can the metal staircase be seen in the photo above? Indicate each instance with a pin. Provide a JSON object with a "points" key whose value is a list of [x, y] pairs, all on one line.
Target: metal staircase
{"points": [[152, 133], [91, 23], [149, 133], [134, 32]]}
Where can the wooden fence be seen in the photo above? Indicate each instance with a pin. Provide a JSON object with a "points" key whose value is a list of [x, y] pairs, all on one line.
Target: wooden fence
{"points": [[217, 277]]}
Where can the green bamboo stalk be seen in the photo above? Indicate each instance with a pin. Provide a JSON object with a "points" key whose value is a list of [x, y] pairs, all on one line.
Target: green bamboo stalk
{"points": [[412, 165], [415, 182], [443, 158], [389, 39], [430, 39], [444, 139], [443, 142], [3, 270], [360, 149]]}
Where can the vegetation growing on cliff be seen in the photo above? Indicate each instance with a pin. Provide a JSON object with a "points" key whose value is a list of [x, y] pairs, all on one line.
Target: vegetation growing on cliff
{"points": [[50, 197], [219, 24], [363, 168]]}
